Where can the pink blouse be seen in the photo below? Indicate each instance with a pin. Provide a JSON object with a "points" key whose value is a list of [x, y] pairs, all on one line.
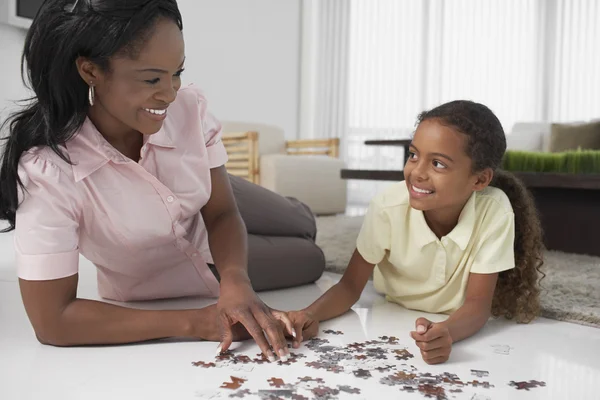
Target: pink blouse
{"points": [[138, 222]]}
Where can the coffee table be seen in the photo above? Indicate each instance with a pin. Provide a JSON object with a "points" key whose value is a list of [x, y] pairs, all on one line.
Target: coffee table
{"points": [[379, 175], [373, 175]]}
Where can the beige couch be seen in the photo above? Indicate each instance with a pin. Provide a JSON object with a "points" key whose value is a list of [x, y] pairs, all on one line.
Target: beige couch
{"points": [[554, 137], [308, 170]]}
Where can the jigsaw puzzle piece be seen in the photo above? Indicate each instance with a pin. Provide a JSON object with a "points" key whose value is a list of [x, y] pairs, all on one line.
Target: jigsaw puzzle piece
{"points": [[276, 382], [209, 394], [242, 367], [235, 383], [204, 364], [479, 373], [240, 394], [276, 394], [526, 385], [348, 389], [503, 349]]}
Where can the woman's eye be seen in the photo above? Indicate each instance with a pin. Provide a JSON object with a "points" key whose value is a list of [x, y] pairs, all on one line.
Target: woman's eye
{"points": [[411, 154], [156, 80]]}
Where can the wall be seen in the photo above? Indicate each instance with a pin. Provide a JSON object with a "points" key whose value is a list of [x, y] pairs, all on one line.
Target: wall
{"points": [[244, 54], [11, 86]]}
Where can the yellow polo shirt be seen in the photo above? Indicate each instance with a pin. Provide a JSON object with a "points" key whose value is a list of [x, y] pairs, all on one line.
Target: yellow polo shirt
{"points": [[419, 271]]}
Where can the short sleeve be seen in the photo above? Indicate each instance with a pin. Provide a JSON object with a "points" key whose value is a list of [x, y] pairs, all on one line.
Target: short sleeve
{"points": [[374, 237], [496, 254], [46, 228], [211, 128]]}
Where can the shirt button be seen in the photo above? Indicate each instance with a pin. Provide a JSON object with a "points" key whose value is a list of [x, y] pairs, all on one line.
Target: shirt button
{"points": [[195, 255], [170, 199], [144, 148]]}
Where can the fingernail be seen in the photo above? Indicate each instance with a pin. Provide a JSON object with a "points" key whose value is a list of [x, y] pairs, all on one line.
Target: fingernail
{"points": [[283, 358], [271, 359], [219, 349], [421, 329], [294, 333]]}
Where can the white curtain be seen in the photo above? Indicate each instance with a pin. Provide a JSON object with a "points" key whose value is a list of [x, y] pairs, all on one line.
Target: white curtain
{"points": [[575, 77], [373, 65]]}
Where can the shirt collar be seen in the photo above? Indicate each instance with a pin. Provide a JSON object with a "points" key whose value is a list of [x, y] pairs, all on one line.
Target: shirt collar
{"points": [[162, 138], [461, 234], [89, 150]]}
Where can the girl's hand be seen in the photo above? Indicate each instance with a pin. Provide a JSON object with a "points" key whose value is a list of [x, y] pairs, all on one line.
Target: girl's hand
{"points": [[434, 341], [305, 326]]}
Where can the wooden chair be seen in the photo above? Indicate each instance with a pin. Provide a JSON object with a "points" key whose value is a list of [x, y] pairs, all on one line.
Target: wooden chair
{"points": [[308, 170], [242, 149], [327, 147]]}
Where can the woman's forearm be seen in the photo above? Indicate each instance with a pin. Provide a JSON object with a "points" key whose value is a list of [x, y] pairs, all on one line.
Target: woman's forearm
{"points": [[228, 243], [88, 322]]}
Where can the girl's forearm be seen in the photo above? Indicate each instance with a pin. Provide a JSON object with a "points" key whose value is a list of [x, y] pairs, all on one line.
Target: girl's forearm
{"points": [[467, 320]]}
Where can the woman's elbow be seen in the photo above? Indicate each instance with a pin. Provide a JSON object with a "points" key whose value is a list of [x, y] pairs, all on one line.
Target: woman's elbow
{"points": [[51, 336]]}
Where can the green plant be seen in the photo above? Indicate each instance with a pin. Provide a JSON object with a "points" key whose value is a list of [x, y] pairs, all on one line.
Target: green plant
{"points": [[573, 162]]}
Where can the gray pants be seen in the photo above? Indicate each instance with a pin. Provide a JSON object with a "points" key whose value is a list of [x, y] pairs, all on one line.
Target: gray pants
{"points": [[281, 238]]}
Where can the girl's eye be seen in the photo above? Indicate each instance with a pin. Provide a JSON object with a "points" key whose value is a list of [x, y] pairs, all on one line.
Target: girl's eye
{"points": [[178, 73], [438, 164], [412, 155]]}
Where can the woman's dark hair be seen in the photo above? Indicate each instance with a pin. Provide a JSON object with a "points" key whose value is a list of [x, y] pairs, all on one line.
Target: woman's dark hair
{"points": [[62, 31], [517, 291]]}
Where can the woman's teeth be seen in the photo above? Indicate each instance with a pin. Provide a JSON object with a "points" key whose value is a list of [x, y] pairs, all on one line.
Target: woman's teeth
{"points": [[416, 189], [157, 112]]}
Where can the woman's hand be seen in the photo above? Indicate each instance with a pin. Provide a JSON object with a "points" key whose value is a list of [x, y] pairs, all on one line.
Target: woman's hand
{"points": [[304, 324], [205, 325], [239, 303]]}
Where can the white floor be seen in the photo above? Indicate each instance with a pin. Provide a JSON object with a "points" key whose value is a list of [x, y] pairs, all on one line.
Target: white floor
{"points": [[565, 356]]}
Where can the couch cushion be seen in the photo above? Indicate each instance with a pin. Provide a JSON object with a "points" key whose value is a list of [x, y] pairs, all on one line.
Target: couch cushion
{"points": [[271, 139], [314, 180], [565, 137], [529, 136]]}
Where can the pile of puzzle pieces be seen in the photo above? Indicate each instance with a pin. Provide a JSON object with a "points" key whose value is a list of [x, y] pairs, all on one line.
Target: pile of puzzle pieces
{"points": [[380, 359]]}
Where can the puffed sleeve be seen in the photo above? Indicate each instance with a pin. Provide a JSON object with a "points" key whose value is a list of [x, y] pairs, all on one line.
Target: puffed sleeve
{"points": [[211, 129], [47, 221]]}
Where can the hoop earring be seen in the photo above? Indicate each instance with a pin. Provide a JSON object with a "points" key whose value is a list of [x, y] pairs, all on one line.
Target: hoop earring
{"points": [[91, 94]]}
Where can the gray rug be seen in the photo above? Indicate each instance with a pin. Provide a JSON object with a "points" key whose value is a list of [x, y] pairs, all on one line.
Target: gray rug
{"points": [[570, 290]]}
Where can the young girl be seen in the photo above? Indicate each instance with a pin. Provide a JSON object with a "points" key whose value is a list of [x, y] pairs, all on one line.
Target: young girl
{"points": [[457, 236]]}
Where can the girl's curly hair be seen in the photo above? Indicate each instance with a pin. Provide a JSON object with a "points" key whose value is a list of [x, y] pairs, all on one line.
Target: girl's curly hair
{"points": [[517, 293]]}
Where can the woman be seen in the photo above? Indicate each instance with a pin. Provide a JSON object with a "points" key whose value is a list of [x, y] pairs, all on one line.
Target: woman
{"points": [[112, 160]]}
